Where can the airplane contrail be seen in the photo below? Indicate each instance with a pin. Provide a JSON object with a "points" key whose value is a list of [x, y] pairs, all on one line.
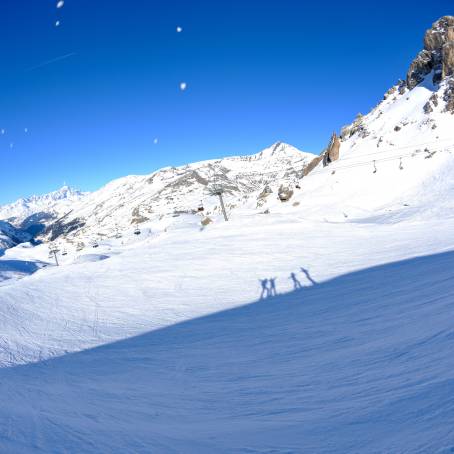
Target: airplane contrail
{"points": [[49, 62]]}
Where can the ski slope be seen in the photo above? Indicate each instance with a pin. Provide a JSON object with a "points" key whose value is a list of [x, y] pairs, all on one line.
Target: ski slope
{"points": [[162, 344]]}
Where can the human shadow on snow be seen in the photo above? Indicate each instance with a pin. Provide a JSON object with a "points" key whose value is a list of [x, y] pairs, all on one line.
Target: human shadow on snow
{"points": [[268, 286]]}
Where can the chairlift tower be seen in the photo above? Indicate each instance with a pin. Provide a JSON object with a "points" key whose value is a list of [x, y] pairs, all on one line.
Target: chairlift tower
{"points": [[217, 189], [53, 250]]}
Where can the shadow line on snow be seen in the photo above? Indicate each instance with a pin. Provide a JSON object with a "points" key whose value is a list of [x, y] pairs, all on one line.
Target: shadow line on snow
{"points": [[295, 367]]}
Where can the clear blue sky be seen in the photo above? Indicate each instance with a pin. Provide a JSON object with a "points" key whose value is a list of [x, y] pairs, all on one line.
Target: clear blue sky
{"points": [[257, 72]]}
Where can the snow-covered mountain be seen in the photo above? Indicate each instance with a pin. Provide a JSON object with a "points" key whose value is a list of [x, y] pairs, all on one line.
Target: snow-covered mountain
{"points": [[11, 236], [29, 211], [69, 214], [402, 150], [175, 191]]}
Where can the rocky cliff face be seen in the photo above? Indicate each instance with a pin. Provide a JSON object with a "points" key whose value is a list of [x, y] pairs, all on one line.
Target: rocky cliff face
{"points": [[437, 57], [332, 152], [409, 105]]}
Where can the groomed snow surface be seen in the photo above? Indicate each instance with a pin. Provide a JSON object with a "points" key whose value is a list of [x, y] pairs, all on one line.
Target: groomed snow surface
{"points": [[163, 344]]}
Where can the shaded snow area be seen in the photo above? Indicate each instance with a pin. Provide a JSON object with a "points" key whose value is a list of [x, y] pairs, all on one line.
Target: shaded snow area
{"points": [[163, 344]]}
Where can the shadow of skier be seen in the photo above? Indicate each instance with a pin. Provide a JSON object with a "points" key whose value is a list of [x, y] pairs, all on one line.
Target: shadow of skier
{"points": [[296, 283], [308, 276]]}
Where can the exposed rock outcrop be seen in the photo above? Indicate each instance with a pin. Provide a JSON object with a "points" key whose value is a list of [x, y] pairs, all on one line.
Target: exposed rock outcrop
{"points": [[437, 57], [357, 127], [420, 67], [428, 108], [285, 193], [402, 87], [332, 152], [448, 97], [137, 217], [60, 228], [312, 165], [333, 148], [448, 59], [429, 105], [206, 221]]}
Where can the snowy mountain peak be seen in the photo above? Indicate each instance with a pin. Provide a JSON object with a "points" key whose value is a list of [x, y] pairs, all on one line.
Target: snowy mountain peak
{"points": [[17, 212], [65, 192], [279, 150]]}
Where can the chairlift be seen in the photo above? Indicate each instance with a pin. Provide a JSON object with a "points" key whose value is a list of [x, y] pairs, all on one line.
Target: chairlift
{"points": [[296, 182], [201, 207], [375, 168], [401, 167], [95, 244], [137, 231], [64, 252]]}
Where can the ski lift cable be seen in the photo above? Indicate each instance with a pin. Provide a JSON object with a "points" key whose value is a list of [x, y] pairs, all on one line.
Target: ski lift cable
{"points": [[390, 150], [299, 169], [214, 176], [360, 163], [366, 163]]}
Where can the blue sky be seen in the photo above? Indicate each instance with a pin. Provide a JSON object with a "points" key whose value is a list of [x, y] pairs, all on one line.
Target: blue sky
{"points": [[257, 72]]}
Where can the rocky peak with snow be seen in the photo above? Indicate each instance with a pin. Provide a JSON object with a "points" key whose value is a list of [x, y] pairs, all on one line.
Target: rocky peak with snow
{"points": [[64, 193], [437, 57], [279, 150], [414, 110]]}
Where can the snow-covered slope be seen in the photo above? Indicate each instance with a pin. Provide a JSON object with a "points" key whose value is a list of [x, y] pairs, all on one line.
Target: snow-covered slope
{"points": [[394, 155], [402, 151], [189, 358]]}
